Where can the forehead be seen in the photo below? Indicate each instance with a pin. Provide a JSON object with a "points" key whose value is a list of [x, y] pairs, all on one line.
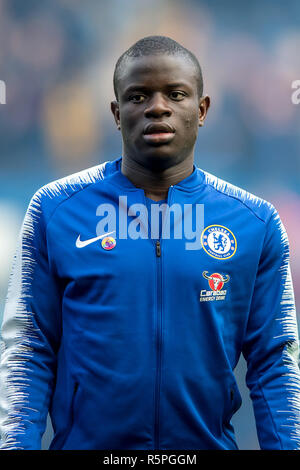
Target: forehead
{"points": [[156, 71]]}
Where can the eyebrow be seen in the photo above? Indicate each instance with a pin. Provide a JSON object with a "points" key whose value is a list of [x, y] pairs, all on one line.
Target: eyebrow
{"points": [[145, 88], [135, 88], [178, 85]]}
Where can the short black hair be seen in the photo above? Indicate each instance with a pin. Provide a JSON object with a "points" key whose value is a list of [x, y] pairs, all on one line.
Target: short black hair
{"points": [[152, 45]]}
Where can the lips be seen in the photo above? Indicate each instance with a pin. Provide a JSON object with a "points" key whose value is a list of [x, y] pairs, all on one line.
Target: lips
{"points": [[158, 128], [158, 133]]}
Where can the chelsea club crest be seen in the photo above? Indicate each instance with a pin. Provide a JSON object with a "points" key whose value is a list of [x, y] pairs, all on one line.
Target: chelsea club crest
{"points": [[218, 242]]}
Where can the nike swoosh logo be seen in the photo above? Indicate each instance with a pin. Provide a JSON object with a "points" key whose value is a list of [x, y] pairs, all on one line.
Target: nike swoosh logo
{"points": [[83, 243]]}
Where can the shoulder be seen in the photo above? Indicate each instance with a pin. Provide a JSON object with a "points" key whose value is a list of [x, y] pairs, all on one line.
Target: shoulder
{"points": [[234, 195], [256, 211], [65, 187], [47, 198]]}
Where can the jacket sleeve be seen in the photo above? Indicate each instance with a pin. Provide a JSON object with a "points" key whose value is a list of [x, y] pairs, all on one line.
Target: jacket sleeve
{"points": [[30, 337], [271, 345]]}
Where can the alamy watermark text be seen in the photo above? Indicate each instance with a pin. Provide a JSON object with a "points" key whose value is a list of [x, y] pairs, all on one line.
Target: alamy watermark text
{"points": [[174, 221], [295, 97], [2, 92]]}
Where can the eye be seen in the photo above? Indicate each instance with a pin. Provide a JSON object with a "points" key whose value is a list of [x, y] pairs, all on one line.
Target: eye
{"points": [[138, 98], [177, 95]]}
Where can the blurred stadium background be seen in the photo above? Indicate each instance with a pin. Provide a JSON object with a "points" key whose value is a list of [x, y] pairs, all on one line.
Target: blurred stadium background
{"points": [[57, 59]]}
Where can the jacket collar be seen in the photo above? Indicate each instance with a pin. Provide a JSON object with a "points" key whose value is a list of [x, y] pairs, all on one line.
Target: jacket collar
{"points": [[190, 183]]}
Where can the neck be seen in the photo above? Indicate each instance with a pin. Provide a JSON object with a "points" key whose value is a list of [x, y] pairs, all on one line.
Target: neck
{"points": [[156, 184]]}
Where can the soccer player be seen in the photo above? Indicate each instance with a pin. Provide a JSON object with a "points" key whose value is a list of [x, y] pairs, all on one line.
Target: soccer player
{"points": [[128, 330]]}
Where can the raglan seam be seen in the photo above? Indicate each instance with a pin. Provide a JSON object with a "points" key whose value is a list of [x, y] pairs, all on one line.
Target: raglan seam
{"points": [[259, 375], [66, 200], [242, 202], [256, 273], [76, 191]]}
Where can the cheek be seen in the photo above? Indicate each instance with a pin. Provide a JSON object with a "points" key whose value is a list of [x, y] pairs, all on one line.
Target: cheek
{"points": [[131, 133], [127, 126], [129, 121], [191, 123], [190, 119], [188, 123]]}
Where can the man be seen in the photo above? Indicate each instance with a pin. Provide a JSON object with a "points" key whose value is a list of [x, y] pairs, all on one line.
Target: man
{"points": [[130, 340]]}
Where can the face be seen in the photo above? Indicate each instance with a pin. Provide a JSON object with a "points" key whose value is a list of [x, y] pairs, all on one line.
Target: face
{"points": [[159, 110]]}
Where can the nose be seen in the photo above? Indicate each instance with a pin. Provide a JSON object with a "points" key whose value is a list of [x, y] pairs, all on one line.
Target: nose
{"points": [[157, 106]]}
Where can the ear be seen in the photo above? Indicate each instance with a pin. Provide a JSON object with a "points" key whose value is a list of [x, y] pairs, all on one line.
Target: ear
{"points": [[114, 106], [204, 104]]}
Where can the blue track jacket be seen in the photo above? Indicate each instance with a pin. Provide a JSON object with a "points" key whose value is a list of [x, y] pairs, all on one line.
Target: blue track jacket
{"points": [[130, 340]]}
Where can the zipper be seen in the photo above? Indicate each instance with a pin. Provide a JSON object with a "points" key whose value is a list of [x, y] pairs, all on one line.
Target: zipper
{"points": [[159, 323], [158, 344]]}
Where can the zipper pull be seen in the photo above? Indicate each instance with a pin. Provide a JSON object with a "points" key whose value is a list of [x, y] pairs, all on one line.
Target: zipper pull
{"points": [[158, 249]]}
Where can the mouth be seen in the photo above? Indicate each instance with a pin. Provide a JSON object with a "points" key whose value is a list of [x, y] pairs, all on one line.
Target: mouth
{"points": [[158, 133]]}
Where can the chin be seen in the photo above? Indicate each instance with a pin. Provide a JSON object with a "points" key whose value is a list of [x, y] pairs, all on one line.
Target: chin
{"points": [[159, 159]]}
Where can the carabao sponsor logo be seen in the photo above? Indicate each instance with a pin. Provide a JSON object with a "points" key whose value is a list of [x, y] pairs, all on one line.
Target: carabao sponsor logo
{"points": [[216, 282]]}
